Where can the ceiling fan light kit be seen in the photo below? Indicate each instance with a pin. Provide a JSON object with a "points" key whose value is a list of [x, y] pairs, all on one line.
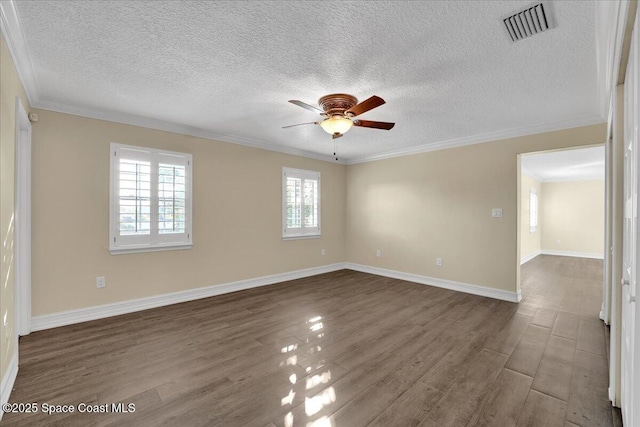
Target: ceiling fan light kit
{"points": [[336, 125], [339, 109]]}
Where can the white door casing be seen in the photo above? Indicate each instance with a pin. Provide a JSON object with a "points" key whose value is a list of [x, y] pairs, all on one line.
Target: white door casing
{"points": [[22, 295], [629, 378]]}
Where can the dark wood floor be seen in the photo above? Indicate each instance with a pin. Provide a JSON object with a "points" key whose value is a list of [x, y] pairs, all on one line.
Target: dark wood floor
{"points": [[340, 349]]}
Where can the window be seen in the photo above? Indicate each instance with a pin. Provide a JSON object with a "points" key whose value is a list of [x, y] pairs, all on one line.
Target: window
{"points": [[533, 210], [300, 203], [150, 200]]}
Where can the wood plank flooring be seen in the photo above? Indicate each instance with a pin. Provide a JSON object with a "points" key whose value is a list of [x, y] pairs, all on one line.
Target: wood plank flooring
{"points": [[340, 349]]}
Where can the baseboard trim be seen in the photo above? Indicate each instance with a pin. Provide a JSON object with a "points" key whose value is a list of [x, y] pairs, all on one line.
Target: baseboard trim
{"points": [[439, 283], [9, 379], [70, 317], [572, 254], [529, 257]]}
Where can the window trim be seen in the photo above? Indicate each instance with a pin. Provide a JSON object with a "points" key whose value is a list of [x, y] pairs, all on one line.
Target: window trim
{"points": [[157, 244], [314, 232], [533, 227]]}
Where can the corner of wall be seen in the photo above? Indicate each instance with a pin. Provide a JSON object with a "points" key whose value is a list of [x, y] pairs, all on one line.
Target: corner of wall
{"points": [[8, 380]]}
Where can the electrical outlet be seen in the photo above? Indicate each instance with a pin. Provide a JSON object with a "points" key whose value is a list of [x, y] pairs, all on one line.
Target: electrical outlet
{"points": [[323, 252], [439, 262], [101, 282], [496, 213], [378, 253]]}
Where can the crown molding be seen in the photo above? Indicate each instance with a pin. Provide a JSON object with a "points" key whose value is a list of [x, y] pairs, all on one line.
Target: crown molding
{"points": [[146, 122], [486, 137], [17, 45], [150, 123]]}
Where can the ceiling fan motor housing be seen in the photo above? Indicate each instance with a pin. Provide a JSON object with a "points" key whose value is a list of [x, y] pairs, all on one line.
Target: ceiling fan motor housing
{"points": [[337, 103]]}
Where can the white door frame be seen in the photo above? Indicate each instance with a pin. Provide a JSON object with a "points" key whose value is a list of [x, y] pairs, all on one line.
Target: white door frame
{"points": [[617, 196], [630, 309], [630, 234], [617, 21], [22, 300], [631, 296], [605, 310]]}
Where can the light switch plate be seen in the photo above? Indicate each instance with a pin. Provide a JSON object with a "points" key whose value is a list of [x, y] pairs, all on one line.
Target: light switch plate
{"points": [[496, 213]]}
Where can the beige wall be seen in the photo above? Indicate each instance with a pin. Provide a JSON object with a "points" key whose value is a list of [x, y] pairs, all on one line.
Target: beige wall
{"points": [[237, 210], [573, 213], [10, 88], [438, 204], [529, 241]]}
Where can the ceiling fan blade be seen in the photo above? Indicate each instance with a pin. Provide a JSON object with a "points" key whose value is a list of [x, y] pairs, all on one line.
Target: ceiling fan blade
{"points": [[300, 124], [366, 105], [372, 124], [306, 106], [336, 135]]}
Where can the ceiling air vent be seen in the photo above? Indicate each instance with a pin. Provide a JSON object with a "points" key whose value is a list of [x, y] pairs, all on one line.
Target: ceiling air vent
{"points": [[533, 20]]}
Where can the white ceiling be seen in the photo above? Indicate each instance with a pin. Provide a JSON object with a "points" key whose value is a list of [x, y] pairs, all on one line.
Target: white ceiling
{"points": [[567, 165], [448, 70]]}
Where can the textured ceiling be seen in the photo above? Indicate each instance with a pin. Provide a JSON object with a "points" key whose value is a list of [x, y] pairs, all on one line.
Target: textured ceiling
{"points": [[567, 165], [447, 70]]}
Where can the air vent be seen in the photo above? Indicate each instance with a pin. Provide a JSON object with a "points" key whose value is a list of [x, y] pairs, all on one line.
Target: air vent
{"points": [[533, 20]]}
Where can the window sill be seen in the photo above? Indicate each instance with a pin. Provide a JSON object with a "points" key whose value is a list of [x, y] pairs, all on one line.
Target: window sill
{"points": [[134, 250], [306, 236]]}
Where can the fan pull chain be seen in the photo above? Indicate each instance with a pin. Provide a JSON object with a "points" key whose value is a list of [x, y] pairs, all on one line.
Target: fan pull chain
{"points": [[335, 149]]}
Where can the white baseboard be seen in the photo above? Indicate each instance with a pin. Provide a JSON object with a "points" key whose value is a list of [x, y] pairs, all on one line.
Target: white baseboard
{"points": [[612, 398], [529, 257], [440, 283], [70, 317], [573, 254], [6, 385]]}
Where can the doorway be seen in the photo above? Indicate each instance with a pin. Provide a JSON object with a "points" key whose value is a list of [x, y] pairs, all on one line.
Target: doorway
{"points": [[562, 203]]}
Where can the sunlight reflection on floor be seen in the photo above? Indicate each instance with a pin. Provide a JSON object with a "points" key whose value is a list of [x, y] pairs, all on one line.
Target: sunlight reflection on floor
{"points": [[316, 401]]}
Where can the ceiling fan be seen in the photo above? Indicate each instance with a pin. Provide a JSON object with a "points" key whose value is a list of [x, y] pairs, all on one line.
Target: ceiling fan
{"points": [[339, 110]]}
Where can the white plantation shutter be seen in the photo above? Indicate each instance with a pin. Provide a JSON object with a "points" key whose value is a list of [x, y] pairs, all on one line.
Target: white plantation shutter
{"points": [[134, 196], [311, 202], [150, 199], [533, 210], [300, 203]]}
